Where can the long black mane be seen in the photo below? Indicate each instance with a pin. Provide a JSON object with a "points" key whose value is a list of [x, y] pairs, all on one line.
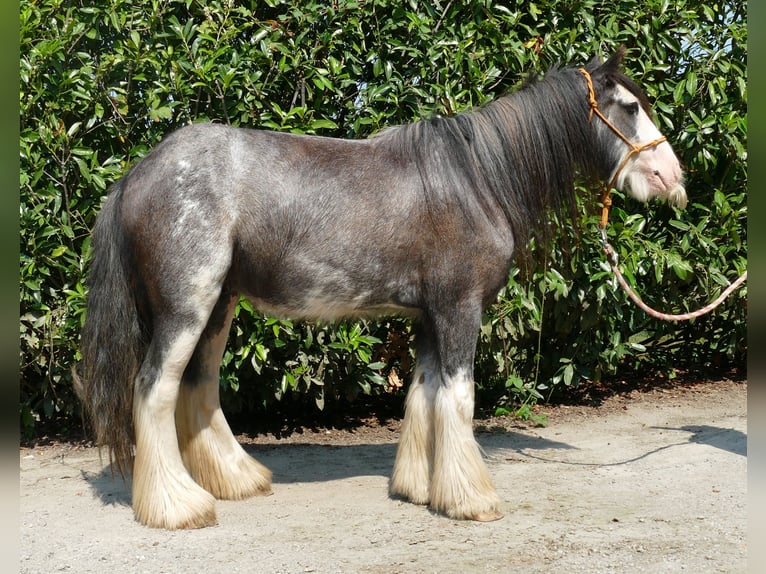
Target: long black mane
{"points": [[520, 154]]}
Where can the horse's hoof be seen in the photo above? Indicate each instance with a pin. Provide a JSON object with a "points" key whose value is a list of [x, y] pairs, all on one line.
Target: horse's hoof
{"points": [[185, 522], [488, 516], [183, 507]]}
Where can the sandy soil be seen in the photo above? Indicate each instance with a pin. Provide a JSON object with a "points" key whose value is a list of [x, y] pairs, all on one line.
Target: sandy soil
{"points": [[645, 482]]}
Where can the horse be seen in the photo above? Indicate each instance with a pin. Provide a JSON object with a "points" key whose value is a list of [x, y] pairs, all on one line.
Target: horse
{"points": [[423, 220]]}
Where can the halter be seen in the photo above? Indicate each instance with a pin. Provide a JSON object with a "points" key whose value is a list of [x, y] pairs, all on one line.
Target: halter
{"points": [[607, 203], [606, 198]]}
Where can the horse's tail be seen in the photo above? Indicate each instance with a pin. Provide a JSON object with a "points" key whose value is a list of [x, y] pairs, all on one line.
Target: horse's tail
{"points": [[114, 337]]}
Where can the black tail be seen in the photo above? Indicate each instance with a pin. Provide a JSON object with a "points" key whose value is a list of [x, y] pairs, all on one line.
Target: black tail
{"points": [[114, 338]]}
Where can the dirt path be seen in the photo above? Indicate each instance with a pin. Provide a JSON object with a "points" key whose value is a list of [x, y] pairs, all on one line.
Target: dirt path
{"points": [[645, 483]]}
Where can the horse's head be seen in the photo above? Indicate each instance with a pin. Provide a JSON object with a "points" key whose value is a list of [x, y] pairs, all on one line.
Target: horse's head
{"points": [[639, 159]]}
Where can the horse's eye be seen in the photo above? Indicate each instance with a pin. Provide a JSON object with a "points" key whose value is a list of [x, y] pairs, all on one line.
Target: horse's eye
{"points": [[631, 108]]}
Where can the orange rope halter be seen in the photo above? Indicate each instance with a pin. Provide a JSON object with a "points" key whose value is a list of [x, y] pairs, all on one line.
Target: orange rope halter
{"points": [[607, 203], [606, 197]]}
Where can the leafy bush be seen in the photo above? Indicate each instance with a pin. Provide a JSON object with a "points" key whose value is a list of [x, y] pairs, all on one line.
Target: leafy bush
{"points": [[101, 84]]}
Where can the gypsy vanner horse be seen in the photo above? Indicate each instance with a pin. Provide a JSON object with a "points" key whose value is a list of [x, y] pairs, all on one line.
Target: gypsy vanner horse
{"points": [[422, 219]]}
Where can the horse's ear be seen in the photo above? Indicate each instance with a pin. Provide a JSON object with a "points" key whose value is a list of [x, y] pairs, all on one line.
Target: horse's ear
{"points": [[614, 63], [594, 64], [607, 72]]}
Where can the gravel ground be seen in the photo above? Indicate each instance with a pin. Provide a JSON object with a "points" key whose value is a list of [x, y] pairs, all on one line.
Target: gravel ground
{"points": [[645, 482]]}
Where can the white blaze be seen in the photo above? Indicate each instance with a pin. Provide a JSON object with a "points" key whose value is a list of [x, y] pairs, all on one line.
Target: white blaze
{"points": [[655, 171]]}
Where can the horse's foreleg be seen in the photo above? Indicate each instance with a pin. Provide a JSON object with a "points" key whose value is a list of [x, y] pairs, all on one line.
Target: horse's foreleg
{"points": [[460, 485], [164, 493], [210, 452], [411, 477]]}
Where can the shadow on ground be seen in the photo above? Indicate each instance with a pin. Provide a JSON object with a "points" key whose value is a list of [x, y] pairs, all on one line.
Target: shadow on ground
{"points": [[730, 440], [306, 463]]}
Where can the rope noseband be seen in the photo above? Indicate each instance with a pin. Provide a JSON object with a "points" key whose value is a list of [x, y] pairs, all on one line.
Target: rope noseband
{"points": [[607, 203]]}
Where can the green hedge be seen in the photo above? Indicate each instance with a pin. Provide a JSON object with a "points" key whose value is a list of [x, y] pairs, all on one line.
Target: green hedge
{"points": [[102, 83]]}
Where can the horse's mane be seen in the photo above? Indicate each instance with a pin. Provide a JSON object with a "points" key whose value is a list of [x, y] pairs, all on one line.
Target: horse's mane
{"points": [[520, 153]]}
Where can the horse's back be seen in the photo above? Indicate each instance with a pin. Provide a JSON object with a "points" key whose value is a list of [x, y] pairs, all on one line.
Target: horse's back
{"points": [[252, 170]]}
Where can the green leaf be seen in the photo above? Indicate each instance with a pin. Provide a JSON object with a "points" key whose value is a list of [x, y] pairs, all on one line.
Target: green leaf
{"points": [[568, 374], [323, 124]]}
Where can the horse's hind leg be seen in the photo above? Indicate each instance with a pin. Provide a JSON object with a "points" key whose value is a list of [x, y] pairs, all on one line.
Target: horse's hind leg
{"points": [[164, 493], [209, 450]]}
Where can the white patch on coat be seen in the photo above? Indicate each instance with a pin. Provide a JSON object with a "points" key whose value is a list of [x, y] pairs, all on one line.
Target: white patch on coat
{"points": [[183, 167]]}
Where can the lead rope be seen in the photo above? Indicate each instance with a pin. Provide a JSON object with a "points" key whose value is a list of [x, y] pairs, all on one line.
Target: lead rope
{"points": [[612, 258], [606, 199]]}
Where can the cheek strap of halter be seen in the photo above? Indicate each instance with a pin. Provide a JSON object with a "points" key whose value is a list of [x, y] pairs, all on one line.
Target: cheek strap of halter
{"points": [[606, 193]]}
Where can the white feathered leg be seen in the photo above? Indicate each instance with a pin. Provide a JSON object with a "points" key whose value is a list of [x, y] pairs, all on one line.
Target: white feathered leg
{"points": [[460, 485], [164, 493], [414, 456], [209, 449]]}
